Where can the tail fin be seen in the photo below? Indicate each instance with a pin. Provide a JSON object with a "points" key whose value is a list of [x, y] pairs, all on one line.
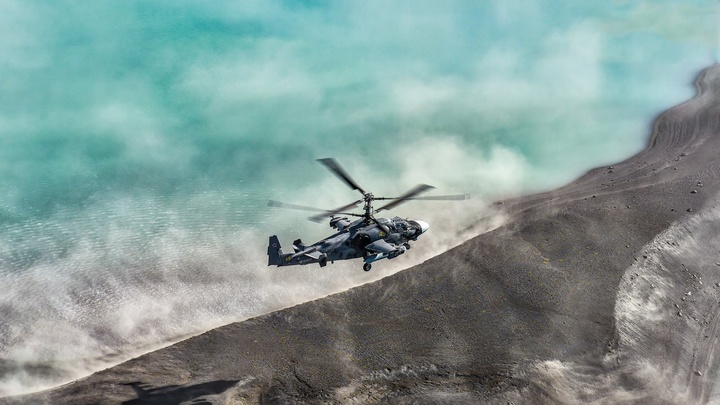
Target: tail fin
{"points": [[274, 251]]}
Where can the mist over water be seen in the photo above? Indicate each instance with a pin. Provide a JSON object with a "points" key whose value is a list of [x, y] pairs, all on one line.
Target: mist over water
{"points": [[139, 144]]}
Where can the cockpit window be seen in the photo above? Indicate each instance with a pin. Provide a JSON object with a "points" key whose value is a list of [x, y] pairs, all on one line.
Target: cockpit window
{"points": [[405, 228], [416, 227]]}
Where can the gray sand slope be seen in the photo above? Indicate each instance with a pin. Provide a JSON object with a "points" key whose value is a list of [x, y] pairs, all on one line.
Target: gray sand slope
{"points": [[603, 291]]}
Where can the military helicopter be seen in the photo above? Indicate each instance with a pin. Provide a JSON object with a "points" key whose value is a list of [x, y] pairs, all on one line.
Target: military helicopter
{"points": [[367, 237]]}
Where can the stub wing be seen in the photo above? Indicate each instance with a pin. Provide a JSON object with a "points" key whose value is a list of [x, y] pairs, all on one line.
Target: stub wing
{"points": [[380, 246], [381, 249]]}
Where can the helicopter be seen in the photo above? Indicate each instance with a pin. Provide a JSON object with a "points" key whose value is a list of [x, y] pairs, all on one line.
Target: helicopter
{"points": [[367, 237]]}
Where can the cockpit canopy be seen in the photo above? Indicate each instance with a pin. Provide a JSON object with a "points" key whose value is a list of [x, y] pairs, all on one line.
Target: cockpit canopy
{"points": [[407, 228]]}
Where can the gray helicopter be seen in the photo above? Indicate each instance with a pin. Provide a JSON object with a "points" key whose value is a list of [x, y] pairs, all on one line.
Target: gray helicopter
{"points": [[367, 237]]}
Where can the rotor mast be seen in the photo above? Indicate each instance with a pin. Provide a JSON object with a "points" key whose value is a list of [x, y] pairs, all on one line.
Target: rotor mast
{"points": [[368, 197]]}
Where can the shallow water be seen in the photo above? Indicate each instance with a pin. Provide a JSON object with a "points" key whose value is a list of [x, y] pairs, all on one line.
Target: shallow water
{"points": [[139, 144]]}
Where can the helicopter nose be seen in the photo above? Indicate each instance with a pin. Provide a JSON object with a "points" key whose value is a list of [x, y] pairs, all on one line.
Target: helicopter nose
{"points": [[424, 226]]}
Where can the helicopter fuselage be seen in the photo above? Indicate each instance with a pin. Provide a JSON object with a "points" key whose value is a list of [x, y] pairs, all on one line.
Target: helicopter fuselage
{"points": [[368, 238], [387, 238]]}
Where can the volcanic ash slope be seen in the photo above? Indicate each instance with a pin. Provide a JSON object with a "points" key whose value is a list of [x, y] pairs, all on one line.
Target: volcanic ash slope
{"points": [[603, 291]]}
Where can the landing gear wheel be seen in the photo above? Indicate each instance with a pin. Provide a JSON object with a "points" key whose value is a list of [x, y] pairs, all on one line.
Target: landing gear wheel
{"points": [[367, 266]]}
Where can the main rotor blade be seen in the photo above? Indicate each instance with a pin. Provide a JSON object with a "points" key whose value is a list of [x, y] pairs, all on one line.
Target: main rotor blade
{"points": [[420, 188], [278, 204], [329, 213], [334, 167], [443, 197]]}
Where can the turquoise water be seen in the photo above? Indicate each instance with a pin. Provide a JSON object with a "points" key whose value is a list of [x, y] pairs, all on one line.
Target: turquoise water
{"points": [[140, 142]]}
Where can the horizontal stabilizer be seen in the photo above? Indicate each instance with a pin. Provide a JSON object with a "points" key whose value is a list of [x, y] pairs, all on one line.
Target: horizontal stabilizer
{"points": [[298, 246], [311, 253], [314, 255]]}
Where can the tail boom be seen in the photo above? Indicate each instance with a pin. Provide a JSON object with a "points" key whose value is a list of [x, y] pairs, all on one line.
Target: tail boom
{"points": [[276, 256]]}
